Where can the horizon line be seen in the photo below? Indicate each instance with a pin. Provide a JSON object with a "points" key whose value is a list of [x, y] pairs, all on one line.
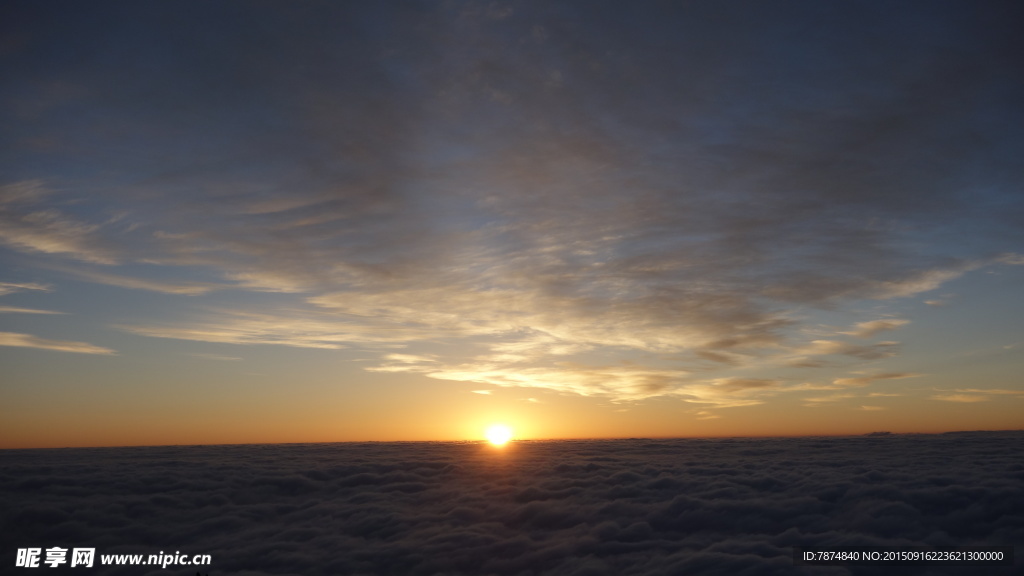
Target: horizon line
{"points": [[876, 434]]}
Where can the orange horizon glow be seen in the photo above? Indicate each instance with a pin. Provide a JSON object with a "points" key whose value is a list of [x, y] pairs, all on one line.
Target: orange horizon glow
{"points": [[392, 410], [488, 441]]}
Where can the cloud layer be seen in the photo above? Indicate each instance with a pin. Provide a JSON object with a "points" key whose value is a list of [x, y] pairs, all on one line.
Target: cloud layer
{"points": [[624, 507]]}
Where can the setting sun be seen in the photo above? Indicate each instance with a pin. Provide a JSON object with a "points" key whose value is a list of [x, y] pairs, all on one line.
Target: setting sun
{"points": [[499, 434]]}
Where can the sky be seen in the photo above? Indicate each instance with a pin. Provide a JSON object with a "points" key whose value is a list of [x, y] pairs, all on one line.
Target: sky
{"points": [[252, 222]]}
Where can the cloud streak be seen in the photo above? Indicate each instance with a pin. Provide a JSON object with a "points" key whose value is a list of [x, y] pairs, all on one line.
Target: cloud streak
{"points": [[29, 341], [13, 287], [145, 284], [859, 381], [46, 230], [869, 329], [973, 395], [19, 310]]}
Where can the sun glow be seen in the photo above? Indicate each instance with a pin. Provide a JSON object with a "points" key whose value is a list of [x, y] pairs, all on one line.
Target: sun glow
{"points": [[499, 434]]}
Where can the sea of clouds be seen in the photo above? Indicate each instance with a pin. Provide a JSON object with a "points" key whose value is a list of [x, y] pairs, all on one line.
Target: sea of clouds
{"points": [[573, 508]]}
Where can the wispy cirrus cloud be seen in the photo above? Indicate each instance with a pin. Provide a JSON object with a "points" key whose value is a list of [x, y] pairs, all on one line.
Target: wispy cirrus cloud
{"points": [[619, 383], [973, 395], [961, 398], [818, 401], [252, 328], [816, 353], [874, 351], [859, 381], [133, 283], [12, 287], [993, 391], [19, 310], [847, 396], [218, 357], [299, 328], [919, 281], [616, 382], [47, 230], [869, 329], [1010, 258], [29, 341]]}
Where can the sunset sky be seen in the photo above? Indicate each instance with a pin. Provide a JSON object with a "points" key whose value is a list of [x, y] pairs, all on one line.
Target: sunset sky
{"points": [[236, 222]]}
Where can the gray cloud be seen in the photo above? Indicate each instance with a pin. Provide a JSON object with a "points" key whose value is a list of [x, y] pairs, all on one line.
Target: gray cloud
{"points": [[639, 507]]}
